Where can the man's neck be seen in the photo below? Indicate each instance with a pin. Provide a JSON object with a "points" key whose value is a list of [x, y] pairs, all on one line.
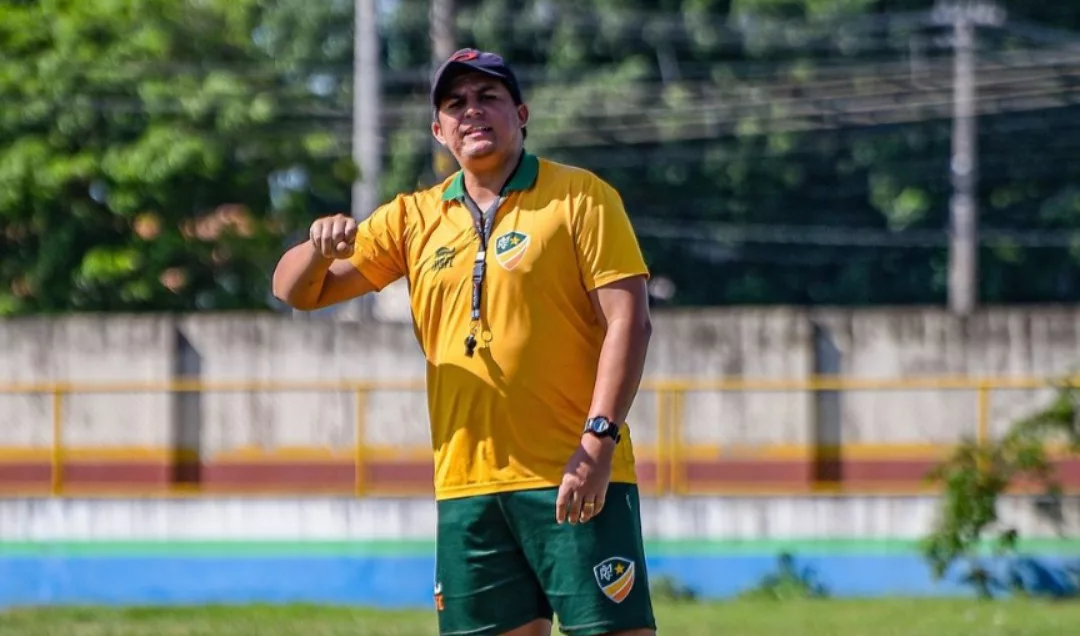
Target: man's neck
{"points": [[484, 186]]}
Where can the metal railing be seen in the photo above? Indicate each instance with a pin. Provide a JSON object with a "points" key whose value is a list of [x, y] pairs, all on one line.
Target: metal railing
{"points": [[670, 449]]}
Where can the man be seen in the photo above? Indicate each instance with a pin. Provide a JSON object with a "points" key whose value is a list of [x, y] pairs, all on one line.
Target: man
{"points": [[528, 295]]}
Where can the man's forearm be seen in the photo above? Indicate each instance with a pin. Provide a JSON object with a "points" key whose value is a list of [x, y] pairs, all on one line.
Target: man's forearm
{"points": [[622, 363], [299, 276]]}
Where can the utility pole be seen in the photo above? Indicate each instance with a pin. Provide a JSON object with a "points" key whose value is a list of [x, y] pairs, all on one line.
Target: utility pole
{"points": [[367, 92], [366, 143], [965, 16], [443, 44]]}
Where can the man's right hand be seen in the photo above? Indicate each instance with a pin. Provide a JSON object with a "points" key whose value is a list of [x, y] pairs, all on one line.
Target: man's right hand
{"points": [[334, 236], [317, 273]]}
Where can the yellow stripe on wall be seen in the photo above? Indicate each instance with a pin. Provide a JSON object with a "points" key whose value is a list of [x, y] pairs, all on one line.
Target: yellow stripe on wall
{"points": [[13, 455]]}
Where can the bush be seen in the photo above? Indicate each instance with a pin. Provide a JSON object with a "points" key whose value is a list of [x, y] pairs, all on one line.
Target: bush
{"points": [[787, 583], [977, 473]]}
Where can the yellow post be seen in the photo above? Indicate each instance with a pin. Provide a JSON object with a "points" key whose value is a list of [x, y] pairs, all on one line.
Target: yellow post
{"points": [[982, 414], [56, 484], [358, 460], [677, 464], [662, 416]]}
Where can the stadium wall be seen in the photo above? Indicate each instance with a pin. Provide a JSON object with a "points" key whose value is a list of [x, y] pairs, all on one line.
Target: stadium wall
{"points": [[734, 439], [380, 552]]}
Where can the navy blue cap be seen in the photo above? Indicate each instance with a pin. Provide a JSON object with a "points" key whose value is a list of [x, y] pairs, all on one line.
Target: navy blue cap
{"points": [[473, 60]]}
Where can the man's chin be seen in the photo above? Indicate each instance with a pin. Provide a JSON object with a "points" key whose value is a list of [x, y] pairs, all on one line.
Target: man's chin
{"points": [[480, 151]]}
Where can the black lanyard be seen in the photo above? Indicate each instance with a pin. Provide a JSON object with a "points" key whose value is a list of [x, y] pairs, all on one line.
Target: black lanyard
{"points": [[484, 224]]}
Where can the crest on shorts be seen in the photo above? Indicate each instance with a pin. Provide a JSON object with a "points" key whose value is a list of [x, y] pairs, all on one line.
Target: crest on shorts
{"points": [[440, 605], [510, 249], [615, 576]]}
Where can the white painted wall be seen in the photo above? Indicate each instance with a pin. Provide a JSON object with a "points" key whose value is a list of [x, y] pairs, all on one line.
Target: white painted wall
{"points": [[342, 519]]}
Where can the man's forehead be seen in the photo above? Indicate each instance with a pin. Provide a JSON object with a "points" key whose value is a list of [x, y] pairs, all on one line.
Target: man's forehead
{"points": [[473, 81]]}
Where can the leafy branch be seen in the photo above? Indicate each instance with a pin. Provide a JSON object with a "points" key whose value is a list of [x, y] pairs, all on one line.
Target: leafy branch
{"points": [[789, 582], [977, 473]]}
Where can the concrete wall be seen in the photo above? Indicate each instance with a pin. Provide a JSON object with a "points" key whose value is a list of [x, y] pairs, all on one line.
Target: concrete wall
{"points": [[83, 349], [269, 348], [1001, 342], [347, 519], [750, 343]]}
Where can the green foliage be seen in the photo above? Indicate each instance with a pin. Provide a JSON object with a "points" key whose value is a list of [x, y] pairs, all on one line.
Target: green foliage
{"points": [[667, 589], [787, 583], [976, 475], [156, 154], [692, 109], [139, 145]]}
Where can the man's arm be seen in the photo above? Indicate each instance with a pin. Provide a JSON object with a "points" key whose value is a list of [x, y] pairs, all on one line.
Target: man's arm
{"points": [[342, 259], [623, 309], [306, 280]]}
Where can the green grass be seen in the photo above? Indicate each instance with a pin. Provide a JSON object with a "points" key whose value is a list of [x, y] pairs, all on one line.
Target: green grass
{"points": [[742, 618]]}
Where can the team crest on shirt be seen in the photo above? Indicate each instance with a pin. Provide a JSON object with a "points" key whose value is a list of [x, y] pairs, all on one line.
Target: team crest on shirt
{"points": [[510, 249], [615, 576]]}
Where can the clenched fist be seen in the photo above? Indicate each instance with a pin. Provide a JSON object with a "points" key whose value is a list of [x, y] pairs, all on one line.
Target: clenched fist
{"points": [[334, 236]]}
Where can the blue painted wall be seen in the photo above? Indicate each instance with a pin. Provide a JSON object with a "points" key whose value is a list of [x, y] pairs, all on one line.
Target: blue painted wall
{"points": [[406, 581]]}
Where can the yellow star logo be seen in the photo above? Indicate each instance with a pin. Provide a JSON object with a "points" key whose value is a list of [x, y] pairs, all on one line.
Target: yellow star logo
{"points": [[619, 568]]}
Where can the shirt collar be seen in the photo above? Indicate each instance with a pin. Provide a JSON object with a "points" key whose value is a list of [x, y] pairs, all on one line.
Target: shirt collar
{"points": [[523, 179]]}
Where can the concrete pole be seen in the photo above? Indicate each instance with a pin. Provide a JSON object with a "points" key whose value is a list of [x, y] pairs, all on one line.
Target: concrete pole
{"points": [[963, 249], [367, 147], [443, 44], [965, 16], [366, 142]]}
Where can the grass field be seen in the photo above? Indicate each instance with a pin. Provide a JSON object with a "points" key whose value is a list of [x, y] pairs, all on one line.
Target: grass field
{"points": [[742, 618]]}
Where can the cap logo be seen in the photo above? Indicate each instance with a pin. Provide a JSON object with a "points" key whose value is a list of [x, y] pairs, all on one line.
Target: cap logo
{"points": [[465, 56]]}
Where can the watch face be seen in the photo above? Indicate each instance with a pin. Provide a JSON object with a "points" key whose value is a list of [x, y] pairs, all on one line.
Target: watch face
{"points": [[600, 426]]}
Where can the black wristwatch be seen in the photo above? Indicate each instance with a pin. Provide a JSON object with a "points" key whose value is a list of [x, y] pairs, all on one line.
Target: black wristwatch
{"points": [[602, 427]]}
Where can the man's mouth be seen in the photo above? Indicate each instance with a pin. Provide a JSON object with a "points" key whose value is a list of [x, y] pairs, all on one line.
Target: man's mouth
{"points": [[477, 131]]}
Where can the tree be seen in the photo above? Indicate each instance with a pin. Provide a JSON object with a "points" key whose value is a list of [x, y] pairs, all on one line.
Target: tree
{"points": [[153, 154]]}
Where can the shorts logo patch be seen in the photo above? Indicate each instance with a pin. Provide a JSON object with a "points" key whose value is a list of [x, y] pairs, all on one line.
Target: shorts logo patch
{"points": [[439, 604], [615, 576], [510, 249]]}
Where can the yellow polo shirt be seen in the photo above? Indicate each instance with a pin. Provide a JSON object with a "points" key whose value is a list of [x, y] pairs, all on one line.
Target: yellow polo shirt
{"points": [[511, 416]]}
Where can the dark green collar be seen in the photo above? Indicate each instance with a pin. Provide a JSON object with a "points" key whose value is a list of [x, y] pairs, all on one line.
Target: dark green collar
{"points": [[523, 179]]}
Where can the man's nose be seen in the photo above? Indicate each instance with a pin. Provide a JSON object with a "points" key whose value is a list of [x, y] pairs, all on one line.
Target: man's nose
{"points": [[473, 106]]}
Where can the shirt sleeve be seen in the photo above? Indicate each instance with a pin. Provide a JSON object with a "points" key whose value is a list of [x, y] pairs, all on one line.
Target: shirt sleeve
{"points": [[607, 247], [380, 244]]}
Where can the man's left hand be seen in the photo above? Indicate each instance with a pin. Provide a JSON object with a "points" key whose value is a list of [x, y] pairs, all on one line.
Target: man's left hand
{"points": [[585, 480]]}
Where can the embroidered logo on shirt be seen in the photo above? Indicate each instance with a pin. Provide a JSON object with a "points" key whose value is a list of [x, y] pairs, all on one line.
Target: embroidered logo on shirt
{"points": [[510, 249], [444, 257]]}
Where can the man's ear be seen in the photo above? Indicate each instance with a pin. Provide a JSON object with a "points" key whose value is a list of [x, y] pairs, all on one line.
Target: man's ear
{"points": [[436, 132], [523, 115]]}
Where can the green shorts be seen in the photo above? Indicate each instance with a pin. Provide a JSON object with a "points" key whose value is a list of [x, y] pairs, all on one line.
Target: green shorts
{"points": [[503, 561]]}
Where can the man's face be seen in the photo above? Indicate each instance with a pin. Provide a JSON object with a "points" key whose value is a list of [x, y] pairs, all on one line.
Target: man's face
{"points": [[477, 118]]}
